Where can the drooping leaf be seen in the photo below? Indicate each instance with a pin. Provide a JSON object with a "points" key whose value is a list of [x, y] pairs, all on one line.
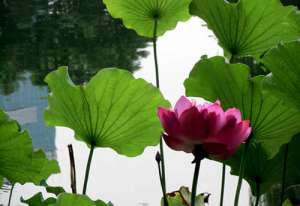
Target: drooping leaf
{"points": [[38, 200], [273, 123], [182, 197], [113, 110], [249, 27], [66, 199], [284, 63], [141, 14], [18, 161]]}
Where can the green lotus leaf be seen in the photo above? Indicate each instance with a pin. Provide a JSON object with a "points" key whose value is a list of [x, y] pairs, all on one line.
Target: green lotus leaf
{"points": [[249, 27], [182, 197], [295, 21], [259, 169], [113, 110], [293, 167], [101, 203], [284, 63], [52, 189], [38, 200], [18, 161], [273, 123], [140, 15], [66, 199]]}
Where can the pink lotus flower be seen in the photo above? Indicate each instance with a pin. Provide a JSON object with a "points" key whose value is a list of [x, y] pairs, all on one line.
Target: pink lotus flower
{"points": [[190, 125]]}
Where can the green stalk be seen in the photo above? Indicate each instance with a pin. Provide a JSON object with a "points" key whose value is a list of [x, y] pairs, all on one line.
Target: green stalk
{"points": [[241, 174], [283, 179], [223, 184], [87, 171], [163, 173], [155, 54], [72, 169], [10, 194], [158, 160], [195, 180], [162, 162]]}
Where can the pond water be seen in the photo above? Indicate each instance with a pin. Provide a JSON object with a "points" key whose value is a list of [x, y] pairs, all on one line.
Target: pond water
{"points": [[38, 36]]}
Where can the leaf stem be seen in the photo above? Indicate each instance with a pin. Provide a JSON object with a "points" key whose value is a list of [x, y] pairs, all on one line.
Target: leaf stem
{"points": [[283, 179], [241, 174], [10, 194], [72, 169], [163, 173], [87, 171], [195, 180], [223, 184], [257, 193]]}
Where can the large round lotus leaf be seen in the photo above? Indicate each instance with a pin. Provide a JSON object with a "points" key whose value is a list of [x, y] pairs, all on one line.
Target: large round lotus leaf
{"points": [[249, 27], [113, 110], [19, 163], [284, 63], [273, 123], [140, 15]]}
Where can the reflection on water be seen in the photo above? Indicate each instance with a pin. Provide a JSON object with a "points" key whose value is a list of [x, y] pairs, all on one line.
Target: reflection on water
{"points": [[38, 36]]}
